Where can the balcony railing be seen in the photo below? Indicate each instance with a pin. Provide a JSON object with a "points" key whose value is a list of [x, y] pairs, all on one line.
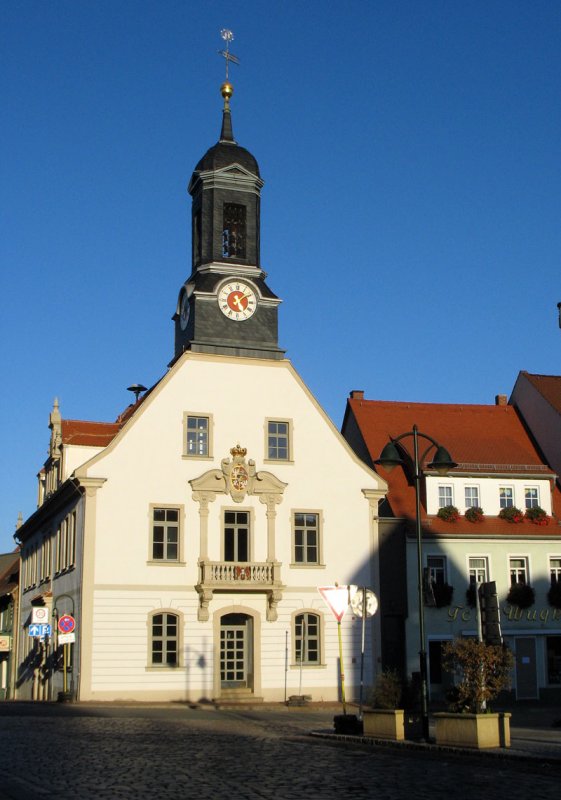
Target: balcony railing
{"points": [[235, 575]]}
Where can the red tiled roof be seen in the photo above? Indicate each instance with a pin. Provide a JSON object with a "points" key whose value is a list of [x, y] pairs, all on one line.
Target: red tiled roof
{"points": [[549, 386], [480, 438], [98, 434]]}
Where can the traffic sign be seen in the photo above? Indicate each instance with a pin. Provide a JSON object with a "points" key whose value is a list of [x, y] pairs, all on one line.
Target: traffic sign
{"points": [[337, 598], [40, 629], [40, 614], [357, 602], [66, 623], [66, 638]]}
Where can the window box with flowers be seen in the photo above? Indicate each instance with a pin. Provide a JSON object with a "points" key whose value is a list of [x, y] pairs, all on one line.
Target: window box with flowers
{"points": [[554, 595], [448, 513], [474, 514], [511, 514], [521, 595], [537, 515]]}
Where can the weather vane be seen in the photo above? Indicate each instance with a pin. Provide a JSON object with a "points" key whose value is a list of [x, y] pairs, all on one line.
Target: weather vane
{"points": [[228, 37]]}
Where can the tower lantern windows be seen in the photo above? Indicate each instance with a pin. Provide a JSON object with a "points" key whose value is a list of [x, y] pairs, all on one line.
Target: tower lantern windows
{"points": [[234, 231]]}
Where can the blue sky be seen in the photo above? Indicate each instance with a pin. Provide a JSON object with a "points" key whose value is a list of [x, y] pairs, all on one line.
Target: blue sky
{"points": [[410, 217]]}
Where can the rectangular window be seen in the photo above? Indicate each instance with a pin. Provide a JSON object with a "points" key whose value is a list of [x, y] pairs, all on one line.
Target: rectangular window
{"points": [[306, 538], [436, 566], [531, 497], [506, 497], [444, 496], [518, 567], [555, 570], [478, 569], [553, 647], [233, 231], [472, 496], [165, 639], [165, 534], [197, 436], [307, 638], [278, 440], [236, 536]]}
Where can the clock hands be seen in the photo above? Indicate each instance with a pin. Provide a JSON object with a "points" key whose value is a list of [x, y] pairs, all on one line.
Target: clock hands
{"points": [[237, 299]]}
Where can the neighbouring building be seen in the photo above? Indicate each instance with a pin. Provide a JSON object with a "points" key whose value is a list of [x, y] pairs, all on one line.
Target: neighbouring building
{"points": [[538, 400], [9, 592], [188, 538], [499, 469]]}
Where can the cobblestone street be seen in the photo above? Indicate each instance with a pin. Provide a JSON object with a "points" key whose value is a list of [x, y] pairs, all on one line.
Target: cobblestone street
{"points": [[170, 752]]}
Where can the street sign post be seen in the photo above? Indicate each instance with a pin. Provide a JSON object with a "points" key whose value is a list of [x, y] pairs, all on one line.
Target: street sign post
{"points": [[364, 603], [337, 598]]}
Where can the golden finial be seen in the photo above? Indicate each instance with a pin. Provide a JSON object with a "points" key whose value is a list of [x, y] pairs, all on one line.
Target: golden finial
{"points": [[238, 451], [226, 90]]}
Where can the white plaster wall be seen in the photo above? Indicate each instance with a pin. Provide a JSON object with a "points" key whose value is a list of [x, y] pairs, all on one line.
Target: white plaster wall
{"points": [[543, 420], [75, 455], [144, 466]]}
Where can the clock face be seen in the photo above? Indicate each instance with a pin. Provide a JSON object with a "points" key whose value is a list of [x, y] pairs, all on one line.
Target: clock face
{"points": [[184, 311], [237, 300]]}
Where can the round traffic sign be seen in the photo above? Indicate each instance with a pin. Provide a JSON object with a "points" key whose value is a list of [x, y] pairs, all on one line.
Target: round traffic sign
{"points": [[66, 623], [357, 602]]}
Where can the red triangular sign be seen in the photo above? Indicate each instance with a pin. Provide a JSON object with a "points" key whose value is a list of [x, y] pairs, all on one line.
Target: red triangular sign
{"points": [[337, 598]]}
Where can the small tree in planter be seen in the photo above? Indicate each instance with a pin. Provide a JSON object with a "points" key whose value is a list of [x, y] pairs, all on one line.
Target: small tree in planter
{"points": [[554, 595], [385, 720], [511, 514], [537, 515], [474, 514], [484, 671], [448, 513], [521, 595]]}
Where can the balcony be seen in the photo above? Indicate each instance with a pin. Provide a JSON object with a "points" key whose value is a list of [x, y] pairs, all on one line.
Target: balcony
{"points": [[231, 576]]}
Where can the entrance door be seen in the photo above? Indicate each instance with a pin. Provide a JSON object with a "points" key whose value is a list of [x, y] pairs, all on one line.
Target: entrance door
{"points": [[526, 673], [236, 652]]}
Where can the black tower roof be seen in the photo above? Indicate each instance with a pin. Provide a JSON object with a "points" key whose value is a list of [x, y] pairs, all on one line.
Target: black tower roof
{"points": [[227, 151]]}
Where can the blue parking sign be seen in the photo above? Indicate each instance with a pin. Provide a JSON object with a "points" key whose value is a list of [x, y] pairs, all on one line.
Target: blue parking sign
{"points": [[40, 629]]}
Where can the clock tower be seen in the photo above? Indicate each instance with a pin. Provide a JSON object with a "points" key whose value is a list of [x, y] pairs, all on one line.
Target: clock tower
{"points": [[225, 306]]}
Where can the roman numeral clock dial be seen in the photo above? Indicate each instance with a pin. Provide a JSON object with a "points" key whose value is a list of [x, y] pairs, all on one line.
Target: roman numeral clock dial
{"points": [[237, 301]]}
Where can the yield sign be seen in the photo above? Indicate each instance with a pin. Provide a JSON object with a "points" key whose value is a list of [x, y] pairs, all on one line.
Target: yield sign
{"points": [[337, 598]]}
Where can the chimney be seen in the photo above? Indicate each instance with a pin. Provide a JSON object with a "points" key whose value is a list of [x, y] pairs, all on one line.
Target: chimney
{"points": [[357, 394], [501, 400]]}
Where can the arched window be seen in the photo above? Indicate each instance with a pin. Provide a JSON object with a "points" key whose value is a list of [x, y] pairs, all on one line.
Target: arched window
{"points": [[165, 639], [307, 639]]}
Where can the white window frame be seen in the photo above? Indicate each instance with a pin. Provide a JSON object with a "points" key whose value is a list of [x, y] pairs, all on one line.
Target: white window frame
{"points": [[305, 528], [475, 571], [445, 488], [554, 569], [152, 559], [207, 451], [272, 435], [318, 639], [434, 570], [504, 501], [515, 571], [536, 498], [164, 613], [472, 488]]}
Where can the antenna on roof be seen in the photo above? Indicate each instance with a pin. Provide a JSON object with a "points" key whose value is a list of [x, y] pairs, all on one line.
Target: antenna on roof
{"points": [[559, 307], [136, 388]]}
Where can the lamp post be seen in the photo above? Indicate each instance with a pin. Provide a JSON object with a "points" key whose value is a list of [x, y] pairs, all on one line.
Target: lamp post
{"points": [[390, 457]]}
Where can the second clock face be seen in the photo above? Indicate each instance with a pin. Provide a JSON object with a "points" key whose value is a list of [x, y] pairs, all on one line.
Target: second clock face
{"points": [[237, 300]]}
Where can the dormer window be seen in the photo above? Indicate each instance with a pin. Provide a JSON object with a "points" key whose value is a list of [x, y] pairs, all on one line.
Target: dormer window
{"points": [[233, 231]]}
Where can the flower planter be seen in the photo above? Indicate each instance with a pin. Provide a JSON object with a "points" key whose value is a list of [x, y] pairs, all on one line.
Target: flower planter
{"points": [[477, 731], [384, 723]]}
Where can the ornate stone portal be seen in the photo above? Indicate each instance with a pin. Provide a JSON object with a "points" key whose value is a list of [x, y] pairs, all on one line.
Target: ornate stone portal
{"points": [[239, 478]]}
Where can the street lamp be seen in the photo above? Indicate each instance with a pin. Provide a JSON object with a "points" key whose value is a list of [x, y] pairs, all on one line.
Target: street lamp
{"points": [[390, 457]]}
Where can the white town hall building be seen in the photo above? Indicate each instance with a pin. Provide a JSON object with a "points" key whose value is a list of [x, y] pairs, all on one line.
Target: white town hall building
{"points": [[189, 537]]}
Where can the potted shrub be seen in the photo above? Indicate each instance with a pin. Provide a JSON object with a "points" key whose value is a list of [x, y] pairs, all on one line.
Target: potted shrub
{"points": [[442, 593], [554, 595], [385, 719], [521, 595], [484, 671], [511, 514], [474, 514], [448, 513], [537, 515]]}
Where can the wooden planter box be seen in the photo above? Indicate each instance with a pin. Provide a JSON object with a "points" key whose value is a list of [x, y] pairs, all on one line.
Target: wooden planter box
{"points": [[479, 731], [384, 723]]}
